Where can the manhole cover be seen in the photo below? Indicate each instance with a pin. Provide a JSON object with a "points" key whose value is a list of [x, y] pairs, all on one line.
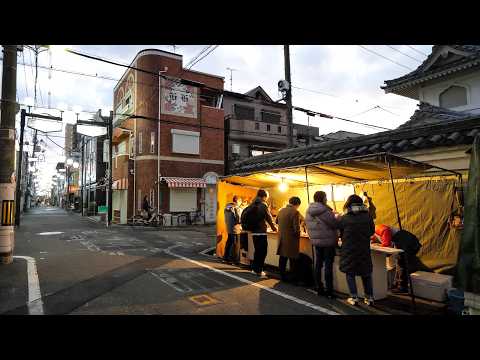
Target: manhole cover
{"points": [[203, 300]]}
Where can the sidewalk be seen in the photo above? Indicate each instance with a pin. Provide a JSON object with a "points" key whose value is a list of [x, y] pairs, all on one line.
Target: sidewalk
{"points": [[13, 285]]}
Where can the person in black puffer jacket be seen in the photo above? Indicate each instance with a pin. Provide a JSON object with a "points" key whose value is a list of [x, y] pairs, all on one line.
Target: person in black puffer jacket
{"points": [[356, 228]]}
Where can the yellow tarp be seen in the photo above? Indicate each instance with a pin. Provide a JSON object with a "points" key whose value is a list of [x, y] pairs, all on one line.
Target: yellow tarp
{"points": [[225, 193], [425, 207]]}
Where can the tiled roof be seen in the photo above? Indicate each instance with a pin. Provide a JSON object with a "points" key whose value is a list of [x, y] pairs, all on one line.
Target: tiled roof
{"points": [[449, 133], [427, 114], [424, 72]]}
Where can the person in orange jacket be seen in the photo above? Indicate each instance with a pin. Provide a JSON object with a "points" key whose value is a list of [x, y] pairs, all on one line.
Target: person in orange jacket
{"points": [[383, 235]]}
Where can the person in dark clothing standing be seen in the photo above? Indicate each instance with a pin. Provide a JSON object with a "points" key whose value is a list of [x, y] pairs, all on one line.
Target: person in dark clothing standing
{"points": [[357, 227], [322, 230], [406, 263], [288, 221], [146, 206], [254, 219], [232, 222]]}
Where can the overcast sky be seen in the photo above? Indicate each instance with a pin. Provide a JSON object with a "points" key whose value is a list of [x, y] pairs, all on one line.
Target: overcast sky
{"points": [[344, 81]]}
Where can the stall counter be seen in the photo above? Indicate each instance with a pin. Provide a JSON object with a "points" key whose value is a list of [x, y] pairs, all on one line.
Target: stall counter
{"points": [[379, 259]]}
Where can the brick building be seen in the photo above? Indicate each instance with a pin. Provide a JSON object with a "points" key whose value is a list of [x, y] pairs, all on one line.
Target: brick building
{"points": [[187, 133]]}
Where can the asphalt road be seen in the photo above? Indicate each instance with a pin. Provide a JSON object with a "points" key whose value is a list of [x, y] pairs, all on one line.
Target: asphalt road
{"points": [[85, 268]]}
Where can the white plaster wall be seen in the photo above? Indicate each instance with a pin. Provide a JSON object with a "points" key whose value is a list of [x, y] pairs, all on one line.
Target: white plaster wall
{"points": [[431, 93]]}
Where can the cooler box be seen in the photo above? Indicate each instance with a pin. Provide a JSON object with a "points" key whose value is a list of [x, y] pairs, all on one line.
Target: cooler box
{"points": [[431, 286]]}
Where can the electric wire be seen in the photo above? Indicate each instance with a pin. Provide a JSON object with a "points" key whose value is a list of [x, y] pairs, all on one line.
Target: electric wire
{"points": [[418, 51], [384, 57], [401, 52]]}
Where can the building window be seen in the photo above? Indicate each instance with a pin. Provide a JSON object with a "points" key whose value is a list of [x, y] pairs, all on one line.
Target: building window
{"points": [[132, 146], [279, 129], [270, 117], [235, 148], [152, 142], [257, 126], [454, 96], [185, 142], [259, 152], [140, 142], [244, 112], [268, 127]]}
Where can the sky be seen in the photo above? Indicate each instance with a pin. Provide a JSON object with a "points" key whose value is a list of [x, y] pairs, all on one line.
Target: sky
{"points": [[341, 80]]}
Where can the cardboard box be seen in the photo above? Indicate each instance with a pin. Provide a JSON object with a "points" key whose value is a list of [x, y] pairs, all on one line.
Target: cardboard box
{"points": [[431, 286]]}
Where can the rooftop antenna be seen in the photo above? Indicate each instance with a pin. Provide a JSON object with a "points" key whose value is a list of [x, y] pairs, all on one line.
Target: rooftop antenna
{"points": [[174, 48], [231, 77]]}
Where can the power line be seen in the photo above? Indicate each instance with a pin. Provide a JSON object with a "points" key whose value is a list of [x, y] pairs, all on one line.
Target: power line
{"points": [[343, 97], [100, 77], [401, 52], [364, 112], [204, 56], [418, 51], [384, 57], [198, 55]]}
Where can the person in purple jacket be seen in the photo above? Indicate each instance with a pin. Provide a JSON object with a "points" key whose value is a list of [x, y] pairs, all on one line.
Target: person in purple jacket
{"points": [[322, 229]]}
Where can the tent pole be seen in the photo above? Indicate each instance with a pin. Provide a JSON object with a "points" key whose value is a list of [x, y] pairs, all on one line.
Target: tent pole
{"points": [[412, 296], [308, 200], [394, 194]]}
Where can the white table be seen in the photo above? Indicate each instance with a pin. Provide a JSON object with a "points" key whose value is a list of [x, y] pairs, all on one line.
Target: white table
{"points": [[379, 261]]}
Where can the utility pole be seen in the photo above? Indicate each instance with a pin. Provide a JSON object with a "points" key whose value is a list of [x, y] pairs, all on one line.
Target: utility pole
{"points": [[82, 176], [19, 169], [7, 154], [110, 170], [288, 96]]}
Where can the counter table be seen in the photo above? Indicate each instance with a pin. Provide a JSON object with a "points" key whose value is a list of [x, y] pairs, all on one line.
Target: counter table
{"points": [[379, 261]]}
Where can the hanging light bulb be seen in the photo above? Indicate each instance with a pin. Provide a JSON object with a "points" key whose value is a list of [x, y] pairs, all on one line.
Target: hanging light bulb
{"points": [[283, 186]]}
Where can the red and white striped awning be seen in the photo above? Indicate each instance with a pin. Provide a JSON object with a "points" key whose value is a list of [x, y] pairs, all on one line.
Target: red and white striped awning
{"points": [[185, 182]]}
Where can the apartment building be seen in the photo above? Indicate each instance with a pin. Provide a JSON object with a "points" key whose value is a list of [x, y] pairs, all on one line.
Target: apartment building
{"points": [[168, 138]]}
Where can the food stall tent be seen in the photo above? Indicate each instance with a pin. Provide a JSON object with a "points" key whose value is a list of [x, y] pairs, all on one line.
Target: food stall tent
{"points": [[381, 175]]}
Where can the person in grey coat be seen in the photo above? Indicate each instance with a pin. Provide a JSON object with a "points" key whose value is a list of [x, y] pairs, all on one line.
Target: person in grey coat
{"points": [[232, 223], [357, 227], [322, 230]]}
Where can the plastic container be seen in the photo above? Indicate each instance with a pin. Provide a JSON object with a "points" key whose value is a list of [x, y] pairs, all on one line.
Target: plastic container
{"points": [[174, 220], [456, 301], [167, 219], [431, 286]]}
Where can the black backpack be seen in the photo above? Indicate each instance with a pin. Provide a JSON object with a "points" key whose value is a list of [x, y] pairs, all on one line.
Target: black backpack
{"points": [[248, 217]]}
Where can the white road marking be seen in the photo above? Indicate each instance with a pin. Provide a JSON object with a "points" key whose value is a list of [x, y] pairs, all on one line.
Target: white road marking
{"points": [[245, 281], [51, 233], [35, 303], [169, 283]]}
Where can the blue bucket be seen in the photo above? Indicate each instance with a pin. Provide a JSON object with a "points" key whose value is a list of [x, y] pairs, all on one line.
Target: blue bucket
{"points": [[456, 301]]}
